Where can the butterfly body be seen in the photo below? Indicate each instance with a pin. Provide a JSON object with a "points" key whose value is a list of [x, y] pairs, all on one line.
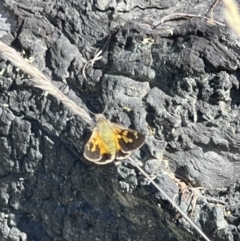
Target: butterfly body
{"points": [[108, 140], [111, 141]]}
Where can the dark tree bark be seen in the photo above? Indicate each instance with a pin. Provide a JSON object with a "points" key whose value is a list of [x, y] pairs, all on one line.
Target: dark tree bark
{"points": [[170, 70]]}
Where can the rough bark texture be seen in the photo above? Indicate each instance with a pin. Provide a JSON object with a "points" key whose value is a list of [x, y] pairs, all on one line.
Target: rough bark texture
{"points": [[175, 80]]}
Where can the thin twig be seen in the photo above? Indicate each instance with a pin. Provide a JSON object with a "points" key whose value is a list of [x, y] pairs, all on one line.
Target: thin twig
{"points": [[170, 200], [97, 56], [41, 81], [194, 194], [177, 15], [188, 188], [196, 190], [212, 9]]}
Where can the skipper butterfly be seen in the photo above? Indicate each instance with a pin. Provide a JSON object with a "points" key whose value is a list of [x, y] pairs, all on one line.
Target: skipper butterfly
{"points": [[110, 141]]}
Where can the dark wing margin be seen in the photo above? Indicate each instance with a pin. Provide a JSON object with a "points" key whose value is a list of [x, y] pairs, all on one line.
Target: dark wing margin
{"points": [[106, 158], [129, 139], [120, 155], [91, 151]]}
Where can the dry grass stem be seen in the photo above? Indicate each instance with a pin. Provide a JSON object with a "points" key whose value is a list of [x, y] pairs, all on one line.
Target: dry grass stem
{"points": [[169, 199], [232, 15], [41, 81]]}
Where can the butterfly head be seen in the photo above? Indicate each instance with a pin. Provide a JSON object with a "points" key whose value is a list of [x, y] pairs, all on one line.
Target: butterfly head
{"points": [[99, 117]]}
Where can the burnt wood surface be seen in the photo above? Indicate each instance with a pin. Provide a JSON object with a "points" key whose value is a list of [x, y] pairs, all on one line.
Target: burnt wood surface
{"points": [[170, 69]]}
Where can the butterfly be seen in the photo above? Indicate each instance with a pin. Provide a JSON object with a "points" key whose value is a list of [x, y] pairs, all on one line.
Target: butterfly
{"points": [[110, 141]]}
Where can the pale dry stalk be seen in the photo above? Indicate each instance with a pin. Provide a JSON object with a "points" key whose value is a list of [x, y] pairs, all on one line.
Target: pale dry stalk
{"points": [[41, 81]]}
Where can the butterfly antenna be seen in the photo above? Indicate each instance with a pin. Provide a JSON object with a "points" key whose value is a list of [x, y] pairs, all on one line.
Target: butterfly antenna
{"points": [[105, 108], [84, 107]]}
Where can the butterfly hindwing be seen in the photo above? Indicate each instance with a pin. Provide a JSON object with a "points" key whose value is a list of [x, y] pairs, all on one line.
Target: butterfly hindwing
{"points": [[128, 139], [94, 151], [106, 158]]}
